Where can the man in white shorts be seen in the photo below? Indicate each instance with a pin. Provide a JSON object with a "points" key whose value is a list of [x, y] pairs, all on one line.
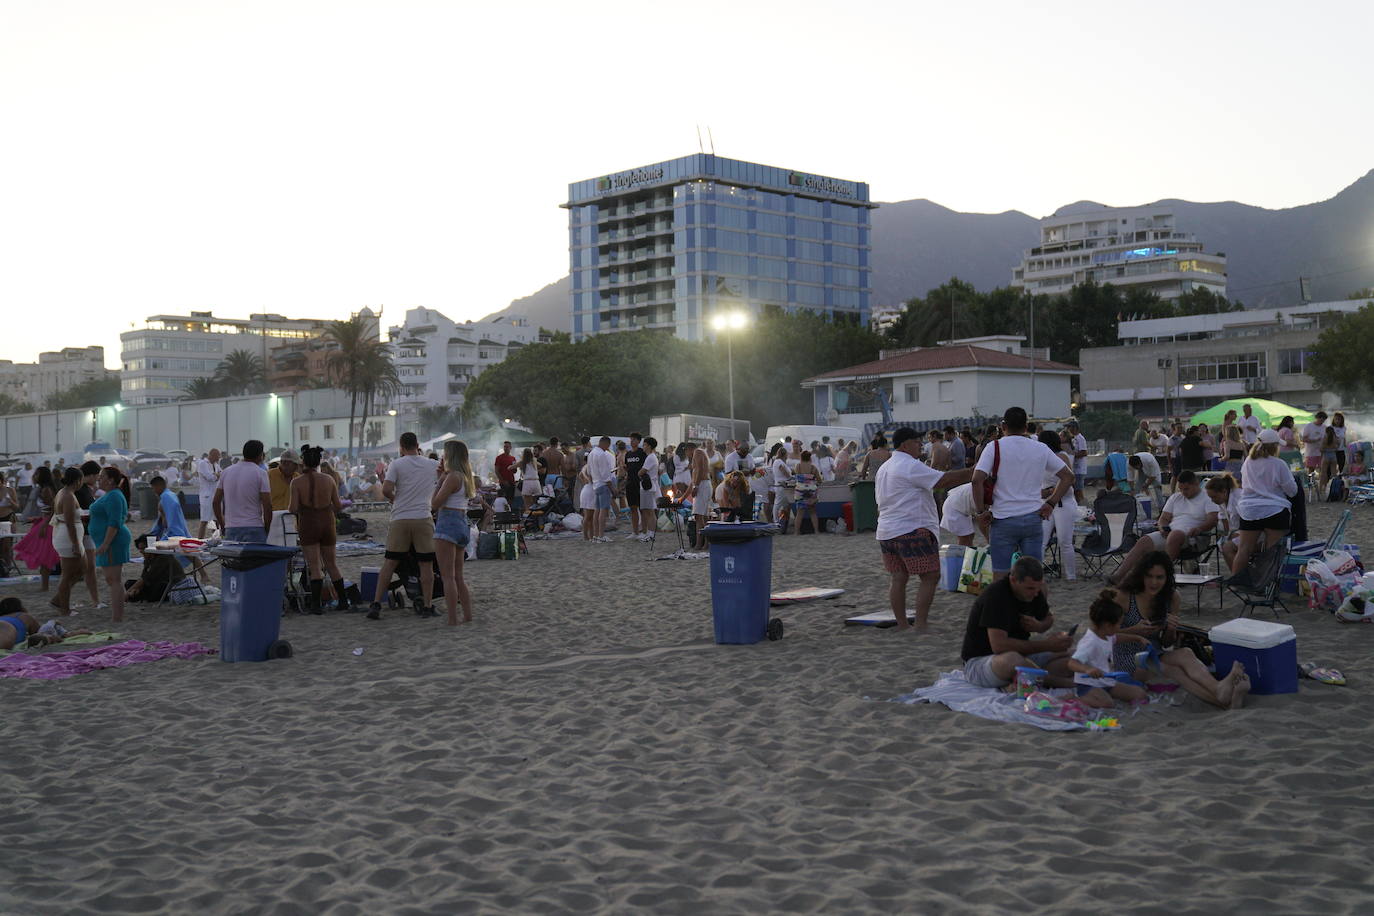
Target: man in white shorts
{"points": [[207, 481], [1187, 514]]}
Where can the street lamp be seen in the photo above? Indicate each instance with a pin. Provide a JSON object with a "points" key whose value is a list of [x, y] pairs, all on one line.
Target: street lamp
{"points": [[725, 322]]}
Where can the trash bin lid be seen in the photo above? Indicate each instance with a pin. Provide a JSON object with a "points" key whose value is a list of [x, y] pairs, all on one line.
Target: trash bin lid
{"points": [[726, 532], [266, 551]]}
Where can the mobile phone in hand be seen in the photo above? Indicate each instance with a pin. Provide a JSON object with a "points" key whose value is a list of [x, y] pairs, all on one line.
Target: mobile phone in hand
{"points": [[1073, 629]]}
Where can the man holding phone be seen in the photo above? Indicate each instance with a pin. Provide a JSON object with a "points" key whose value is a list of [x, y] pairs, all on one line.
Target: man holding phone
{"points": [[997, 639]]}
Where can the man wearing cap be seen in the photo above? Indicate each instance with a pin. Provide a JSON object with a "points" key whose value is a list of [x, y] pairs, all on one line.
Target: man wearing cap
{"points": [[908, 524], [279, 478]]}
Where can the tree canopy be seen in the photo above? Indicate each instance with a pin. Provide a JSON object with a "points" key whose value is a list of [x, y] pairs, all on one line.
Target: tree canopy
{"points": [[1340, 358], [96, 392]]}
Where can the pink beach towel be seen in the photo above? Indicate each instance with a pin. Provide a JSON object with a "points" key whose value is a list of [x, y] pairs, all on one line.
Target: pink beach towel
{"points": [[53, 666]]}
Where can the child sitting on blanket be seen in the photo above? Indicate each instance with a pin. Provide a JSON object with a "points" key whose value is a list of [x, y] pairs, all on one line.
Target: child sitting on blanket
{"points": [[18, 627], [1092, 659]]}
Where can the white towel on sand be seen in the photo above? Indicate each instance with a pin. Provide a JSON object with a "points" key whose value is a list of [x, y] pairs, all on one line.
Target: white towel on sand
{"points": [[985, 702]]}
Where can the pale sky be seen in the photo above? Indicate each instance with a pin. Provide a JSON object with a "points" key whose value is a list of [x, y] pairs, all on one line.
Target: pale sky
{"points": [[310, 158]]}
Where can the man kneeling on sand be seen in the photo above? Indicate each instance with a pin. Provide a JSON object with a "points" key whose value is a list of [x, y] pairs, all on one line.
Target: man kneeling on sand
{"points": [[997, 639]]}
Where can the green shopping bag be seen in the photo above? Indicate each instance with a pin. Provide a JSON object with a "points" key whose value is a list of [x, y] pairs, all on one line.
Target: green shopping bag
{"points": [[977, 572]]}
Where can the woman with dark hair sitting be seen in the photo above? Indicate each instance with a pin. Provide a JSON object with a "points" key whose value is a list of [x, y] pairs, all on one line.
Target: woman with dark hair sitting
{"points": [[1149, 597]]}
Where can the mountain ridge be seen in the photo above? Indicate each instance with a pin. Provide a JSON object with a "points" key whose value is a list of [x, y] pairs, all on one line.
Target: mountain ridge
{"points": [[919, 244]]}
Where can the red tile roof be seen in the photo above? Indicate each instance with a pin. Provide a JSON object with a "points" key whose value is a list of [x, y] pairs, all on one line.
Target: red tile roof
{"points": [[936, 358]]}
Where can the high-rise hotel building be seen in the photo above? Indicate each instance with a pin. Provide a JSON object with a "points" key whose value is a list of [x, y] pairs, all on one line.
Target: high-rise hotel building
{"points": [[667, 245]]}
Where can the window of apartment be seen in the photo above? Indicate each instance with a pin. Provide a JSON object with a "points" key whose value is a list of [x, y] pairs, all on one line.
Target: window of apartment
{"points": [[1294, 361], [482, 354], [1221, 368], [304, 434], [913, 393], [947, 390], [328, 431]]}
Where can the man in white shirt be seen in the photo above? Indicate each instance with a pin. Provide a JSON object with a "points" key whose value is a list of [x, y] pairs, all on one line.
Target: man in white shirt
{"points": [[957, 452], [1249, 426], [243, 498], [908, 523], [601, 464], [1145, 476], [24, 482], [1188, 513], [1312, 435], [207, 480], [410, 482], [1018, 466], [648, 495], [1078, 449]]}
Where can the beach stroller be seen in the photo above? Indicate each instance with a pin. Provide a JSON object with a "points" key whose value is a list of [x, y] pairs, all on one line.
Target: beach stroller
{"points": [[1114, 516], [538, 513]]}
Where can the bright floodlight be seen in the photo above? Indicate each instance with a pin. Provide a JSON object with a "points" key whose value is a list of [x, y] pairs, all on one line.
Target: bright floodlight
{"points": [[727, 320]]}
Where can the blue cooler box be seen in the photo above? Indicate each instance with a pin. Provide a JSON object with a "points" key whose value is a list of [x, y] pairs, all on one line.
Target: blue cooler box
{"points": [[1269, 652], [252, 585], [951, 566], [741, 578]]}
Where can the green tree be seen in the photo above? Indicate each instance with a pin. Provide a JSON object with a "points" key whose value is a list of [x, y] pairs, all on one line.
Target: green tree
{"points": [[1115, 426], [202, 389], [1340, 358], [96, 392], [1202, 301], [241, 372], [1366, 293], [380, 381], [12, 405], [555, 336], [437, 420], [347, 365]]}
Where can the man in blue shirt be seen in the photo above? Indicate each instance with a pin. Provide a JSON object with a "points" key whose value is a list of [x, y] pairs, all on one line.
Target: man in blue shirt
{"points": [[171, 521]]}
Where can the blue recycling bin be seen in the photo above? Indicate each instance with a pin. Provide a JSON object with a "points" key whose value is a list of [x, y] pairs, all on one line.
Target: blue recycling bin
{"points": [[252, 585], [741, 578]]}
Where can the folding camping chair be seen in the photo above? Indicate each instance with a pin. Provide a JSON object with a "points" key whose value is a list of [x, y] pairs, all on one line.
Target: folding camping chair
{"points": [[1337, 537], [1114, 517], [1257, 585], [287, 534]]}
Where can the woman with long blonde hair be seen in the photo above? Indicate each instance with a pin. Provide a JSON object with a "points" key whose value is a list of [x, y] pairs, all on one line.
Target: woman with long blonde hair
{"points": [[451, 529]]}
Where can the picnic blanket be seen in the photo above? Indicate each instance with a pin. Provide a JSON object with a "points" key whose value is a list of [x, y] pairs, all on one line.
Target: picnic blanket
{"points": [[358, 548], [984, 702], [54, 666]]}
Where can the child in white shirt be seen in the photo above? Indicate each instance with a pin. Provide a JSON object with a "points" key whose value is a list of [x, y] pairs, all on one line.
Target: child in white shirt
{"points": [[1092, 658]]}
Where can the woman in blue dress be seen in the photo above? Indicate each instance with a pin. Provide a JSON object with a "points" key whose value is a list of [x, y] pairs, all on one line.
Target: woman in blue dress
{"points": [[111, 536]]}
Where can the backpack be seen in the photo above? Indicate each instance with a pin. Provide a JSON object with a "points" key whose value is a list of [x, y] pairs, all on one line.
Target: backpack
{"points": [[1336, 492], [488, 545], [345, 525]]}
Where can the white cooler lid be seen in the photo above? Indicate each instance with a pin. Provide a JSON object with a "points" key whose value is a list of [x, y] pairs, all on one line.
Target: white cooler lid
{"points": [[1251, 634]]}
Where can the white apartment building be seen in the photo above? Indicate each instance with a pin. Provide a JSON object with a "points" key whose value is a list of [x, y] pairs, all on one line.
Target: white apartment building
{"points": [[437, 358], [1123, 246], [163, 357], [55, 371]]}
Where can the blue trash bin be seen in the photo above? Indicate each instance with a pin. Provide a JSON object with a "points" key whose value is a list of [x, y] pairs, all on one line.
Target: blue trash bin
{"points": [[741, 577], [252, 584]]}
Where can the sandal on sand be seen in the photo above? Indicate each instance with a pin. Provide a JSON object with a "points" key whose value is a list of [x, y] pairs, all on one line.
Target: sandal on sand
{"points": [[1322, 675]]}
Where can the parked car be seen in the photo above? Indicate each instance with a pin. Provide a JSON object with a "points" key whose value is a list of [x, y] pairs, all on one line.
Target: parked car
{"points": [[178, 454], [146, 460]]}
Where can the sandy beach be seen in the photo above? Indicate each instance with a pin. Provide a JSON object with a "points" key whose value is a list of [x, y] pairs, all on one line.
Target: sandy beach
{"points": [[583, 746]]}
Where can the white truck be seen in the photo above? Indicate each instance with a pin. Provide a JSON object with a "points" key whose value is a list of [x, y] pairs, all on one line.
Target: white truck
{"points": [[675, 428]]}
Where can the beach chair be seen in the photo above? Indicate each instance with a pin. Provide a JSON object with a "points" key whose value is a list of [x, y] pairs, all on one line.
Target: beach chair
{"points": [[1257, 585], [1114, 518], [285, 531], [1337, 537]]}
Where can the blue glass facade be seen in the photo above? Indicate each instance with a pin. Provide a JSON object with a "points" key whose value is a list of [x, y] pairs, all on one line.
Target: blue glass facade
{"points": [[668, 245]]}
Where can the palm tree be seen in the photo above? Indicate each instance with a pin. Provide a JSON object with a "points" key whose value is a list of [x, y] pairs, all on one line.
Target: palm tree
{"points": [[374, 433], [241, 372], [202, 389], [354, 339], [379, 380]]}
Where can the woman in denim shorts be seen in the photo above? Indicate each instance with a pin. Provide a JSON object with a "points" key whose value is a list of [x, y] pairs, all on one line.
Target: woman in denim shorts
{"points": [[451, 529]]}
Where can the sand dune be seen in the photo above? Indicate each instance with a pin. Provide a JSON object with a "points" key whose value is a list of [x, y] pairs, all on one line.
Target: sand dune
{"points": [[582, 747]]}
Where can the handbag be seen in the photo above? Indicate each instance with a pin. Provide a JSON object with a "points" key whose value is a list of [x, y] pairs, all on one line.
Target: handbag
{"points": [[976, 574], [990, 483]]}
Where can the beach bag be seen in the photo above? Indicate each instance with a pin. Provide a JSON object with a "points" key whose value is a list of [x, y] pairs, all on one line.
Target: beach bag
{"points": [[488, 546], [1336, 492], [510, 546], [990, 484], [977, 572], [346, 525], [1328, 589]]}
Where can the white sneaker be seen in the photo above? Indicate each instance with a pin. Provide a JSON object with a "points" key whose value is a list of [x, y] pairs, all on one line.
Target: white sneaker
{"points": [[633, 537]]}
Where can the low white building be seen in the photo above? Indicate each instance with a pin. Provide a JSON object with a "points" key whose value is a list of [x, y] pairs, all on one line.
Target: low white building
{"points": [[437, 358], [55, 371], [956, 383]]}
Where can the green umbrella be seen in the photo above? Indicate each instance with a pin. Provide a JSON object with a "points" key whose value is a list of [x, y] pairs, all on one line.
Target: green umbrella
{"points": [[1269, 412]]}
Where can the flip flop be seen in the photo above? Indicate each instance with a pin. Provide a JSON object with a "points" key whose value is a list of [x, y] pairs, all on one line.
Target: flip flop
{"points": [[1322, 675]]}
